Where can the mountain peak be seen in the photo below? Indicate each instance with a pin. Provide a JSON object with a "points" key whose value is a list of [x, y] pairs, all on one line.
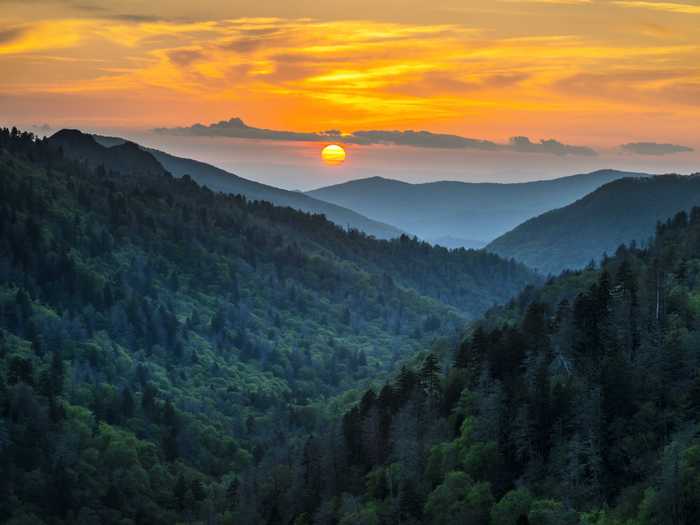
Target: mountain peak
{"points": [[127, 157], [73, 135]]}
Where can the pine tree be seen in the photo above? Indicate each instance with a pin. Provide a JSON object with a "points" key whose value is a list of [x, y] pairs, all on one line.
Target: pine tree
{"points": [[180, 492], [127, 403], [410, 504], [430, 378], [57, 372]]}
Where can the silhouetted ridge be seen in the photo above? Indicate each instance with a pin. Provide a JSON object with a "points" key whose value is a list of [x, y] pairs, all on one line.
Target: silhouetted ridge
{"points": [[126, 157]]}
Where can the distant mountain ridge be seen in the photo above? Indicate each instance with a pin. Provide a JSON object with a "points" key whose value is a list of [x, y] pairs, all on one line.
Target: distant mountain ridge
{"points": [[461, 210], [122, 155], [619, 212]]}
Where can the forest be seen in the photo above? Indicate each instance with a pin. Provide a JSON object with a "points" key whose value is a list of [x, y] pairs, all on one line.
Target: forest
{"points": [[158, 340], [577, 403], [172, 355]]}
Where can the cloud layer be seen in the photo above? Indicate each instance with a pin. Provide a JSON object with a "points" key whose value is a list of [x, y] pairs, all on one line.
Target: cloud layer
{"points": [[236, 128], [550, 68], [654, 148]]}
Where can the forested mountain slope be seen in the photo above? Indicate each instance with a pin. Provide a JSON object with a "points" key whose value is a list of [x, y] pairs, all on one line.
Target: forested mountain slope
{"points": [[217, 179], [620, 212], [578, 403], [458, 212], [156, 339]]}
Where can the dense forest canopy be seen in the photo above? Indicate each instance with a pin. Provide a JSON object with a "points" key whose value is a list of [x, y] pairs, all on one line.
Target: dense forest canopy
{"points": [[577, 403], [170, 355], [158, 341]]}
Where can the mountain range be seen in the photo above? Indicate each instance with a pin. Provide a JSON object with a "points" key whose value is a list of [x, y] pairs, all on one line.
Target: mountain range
{"points": [[170, 353], [619, 212], [602, 209], [448, 213], [122, 154], [461, 213]]}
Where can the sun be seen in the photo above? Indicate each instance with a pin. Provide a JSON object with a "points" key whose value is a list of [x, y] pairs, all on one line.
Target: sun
{"points": [[333, 154]]}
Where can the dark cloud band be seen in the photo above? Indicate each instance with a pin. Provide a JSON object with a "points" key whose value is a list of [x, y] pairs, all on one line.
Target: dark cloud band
{"points": [[654, 148], [236, 128]]}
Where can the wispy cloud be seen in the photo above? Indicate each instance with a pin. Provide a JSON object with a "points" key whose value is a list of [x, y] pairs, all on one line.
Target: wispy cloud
{"points": [[654, 148], [41, 36], [660, 83], [669, 7], [551, 2], [12, 34], [236, 128], [482, 79]]}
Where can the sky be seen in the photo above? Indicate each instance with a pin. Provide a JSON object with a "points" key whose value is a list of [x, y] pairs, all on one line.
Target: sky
{"points": [[473, 90]]}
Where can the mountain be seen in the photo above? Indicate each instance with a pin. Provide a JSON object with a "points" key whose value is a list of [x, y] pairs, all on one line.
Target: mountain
{"points": [[220, 180], [477, 212], [158, 339], [126, 157], [578, 403], [622, 211]]}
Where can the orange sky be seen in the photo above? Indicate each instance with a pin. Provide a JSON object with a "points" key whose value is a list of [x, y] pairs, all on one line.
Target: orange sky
{"points": [[590, 72]]}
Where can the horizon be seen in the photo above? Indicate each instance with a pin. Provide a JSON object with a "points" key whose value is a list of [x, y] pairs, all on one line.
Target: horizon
{"points": [[490, 91], [376, 161]]}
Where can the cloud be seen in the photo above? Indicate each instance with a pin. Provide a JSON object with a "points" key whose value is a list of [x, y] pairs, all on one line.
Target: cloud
{"points": [[40, 36], [677, 86], [434, 82], [654, 148], [369, 75], [136, 18], [553, 2], [419, 139], [554, 147], [10, 35], [42, 128], [236, 128], [184, 57], [669, 7]]}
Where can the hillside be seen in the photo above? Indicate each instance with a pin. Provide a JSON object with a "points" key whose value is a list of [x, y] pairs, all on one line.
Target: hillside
{"points": [[472, 212], [157, 339], [576, 404], [99, 149], [619, 212]]}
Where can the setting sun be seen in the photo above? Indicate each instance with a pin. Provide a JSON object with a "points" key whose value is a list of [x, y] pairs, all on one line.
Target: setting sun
{"points": [[333, 154]]}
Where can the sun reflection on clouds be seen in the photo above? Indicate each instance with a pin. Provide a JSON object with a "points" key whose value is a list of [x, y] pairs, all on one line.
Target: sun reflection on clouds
{"points": [[350, 74]]}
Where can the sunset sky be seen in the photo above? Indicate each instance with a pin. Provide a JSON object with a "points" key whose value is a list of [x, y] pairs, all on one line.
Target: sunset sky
{"points": [[592, 75]]}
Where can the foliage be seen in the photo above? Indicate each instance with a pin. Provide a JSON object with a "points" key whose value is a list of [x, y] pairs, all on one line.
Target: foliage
{"points": [[577, 402], [163, 347]]}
